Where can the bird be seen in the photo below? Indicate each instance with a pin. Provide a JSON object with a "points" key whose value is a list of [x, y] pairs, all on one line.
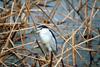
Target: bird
{"points": [[48, 38]]}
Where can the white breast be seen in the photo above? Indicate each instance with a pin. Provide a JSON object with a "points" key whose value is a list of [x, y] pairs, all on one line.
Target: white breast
{"points": [[45, 35], [48, 39]]}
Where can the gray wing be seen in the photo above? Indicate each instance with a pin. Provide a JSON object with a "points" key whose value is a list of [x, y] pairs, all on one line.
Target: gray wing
{"points": [[53, 42]]}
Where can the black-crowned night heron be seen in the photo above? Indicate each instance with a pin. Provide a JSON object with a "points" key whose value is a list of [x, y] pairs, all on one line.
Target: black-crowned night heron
{"points": [[47, 38]]}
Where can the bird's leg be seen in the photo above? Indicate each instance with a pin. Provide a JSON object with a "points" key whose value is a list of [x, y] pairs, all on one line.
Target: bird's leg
{"points": [[51, 58]]}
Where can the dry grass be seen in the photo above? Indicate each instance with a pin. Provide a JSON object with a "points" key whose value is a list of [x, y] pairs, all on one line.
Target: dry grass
{"points": [[15, 25]]}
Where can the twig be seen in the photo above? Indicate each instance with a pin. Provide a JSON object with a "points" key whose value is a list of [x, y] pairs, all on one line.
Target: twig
{"points": [[62, 63], [41, 49], [73, 50], [58, 62], [50, 65], [7, 42], [76, 10]]}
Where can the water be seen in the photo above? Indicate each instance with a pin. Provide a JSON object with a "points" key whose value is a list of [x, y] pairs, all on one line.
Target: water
{"points": [[67, 28]]}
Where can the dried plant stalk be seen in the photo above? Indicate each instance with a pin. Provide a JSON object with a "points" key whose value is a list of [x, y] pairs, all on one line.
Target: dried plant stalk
{"points": [[67, 60], [86, 9], [73, 50]]}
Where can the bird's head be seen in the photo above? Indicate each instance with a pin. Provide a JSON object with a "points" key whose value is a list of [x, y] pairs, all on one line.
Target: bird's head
{"points": [[39, 28]]}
